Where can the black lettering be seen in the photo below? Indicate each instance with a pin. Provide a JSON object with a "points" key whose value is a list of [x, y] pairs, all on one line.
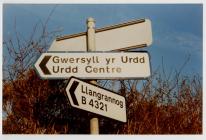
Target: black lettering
{"points": [[101, 106], [142, 60], [64, 60], [124, 59], [83, 60], [83, 100], [91, 103], [83, 90], [105, 107], [119, 70], [55, 59], [88, 69], [96, 104], [74, 70], [55, 69], [121, 104]]}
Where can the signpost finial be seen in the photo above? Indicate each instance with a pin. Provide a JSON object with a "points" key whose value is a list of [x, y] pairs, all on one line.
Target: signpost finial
{"points": [[90, 22]]}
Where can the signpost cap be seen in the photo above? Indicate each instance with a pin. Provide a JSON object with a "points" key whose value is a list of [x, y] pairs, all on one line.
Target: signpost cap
{"points": [[90, 19]]}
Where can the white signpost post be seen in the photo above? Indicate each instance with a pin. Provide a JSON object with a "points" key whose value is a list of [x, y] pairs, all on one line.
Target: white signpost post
{"points": [[88, 64], [97, 100], [94, 65], [124, 36]]}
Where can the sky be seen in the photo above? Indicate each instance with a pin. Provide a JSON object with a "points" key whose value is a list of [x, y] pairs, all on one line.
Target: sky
{"points": [[177, 28]]}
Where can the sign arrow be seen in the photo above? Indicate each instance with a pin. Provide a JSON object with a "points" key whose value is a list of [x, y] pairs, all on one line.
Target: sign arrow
{"points": [[72, 91], [43, 63]]}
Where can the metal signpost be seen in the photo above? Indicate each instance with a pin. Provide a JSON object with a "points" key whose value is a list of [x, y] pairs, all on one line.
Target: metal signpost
{"points": [[74, 55], [94, 99]]}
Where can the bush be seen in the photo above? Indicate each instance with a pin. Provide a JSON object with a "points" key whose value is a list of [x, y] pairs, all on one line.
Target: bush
{"points": [[38, 106]]}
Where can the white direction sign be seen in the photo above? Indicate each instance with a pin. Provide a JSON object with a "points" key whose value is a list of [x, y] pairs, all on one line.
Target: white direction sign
{"points": [[133, 34], [97, 100], [94, 65]]}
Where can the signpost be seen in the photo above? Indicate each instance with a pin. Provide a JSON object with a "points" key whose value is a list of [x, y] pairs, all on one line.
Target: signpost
{"points": [[124, 36], [94, 122], [97, 100], [80, 60], [94, 65]]}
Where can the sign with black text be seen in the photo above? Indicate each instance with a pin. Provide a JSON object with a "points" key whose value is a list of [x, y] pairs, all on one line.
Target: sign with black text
{"points": [[94, 65], [97, 100]]}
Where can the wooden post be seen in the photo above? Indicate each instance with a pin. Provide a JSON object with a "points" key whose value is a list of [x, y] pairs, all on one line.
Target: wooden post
{"points": [[94, 122]]}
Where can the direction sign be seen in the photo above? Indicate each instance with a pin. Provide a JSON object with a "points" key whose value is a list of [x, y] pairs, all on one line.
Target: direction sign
{"points": [[97, 100], [124, 36], [94, 65]]}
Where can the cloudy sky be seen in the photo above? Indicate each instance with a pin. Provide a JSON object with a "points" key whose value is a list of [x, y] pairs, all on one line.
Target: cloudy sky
{"points": [[177, 28]]}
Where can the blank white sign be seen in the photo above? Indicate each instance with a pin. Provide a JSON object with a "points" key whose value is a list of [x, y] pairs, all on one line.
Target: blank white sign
{"points": [[123, 36]]}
